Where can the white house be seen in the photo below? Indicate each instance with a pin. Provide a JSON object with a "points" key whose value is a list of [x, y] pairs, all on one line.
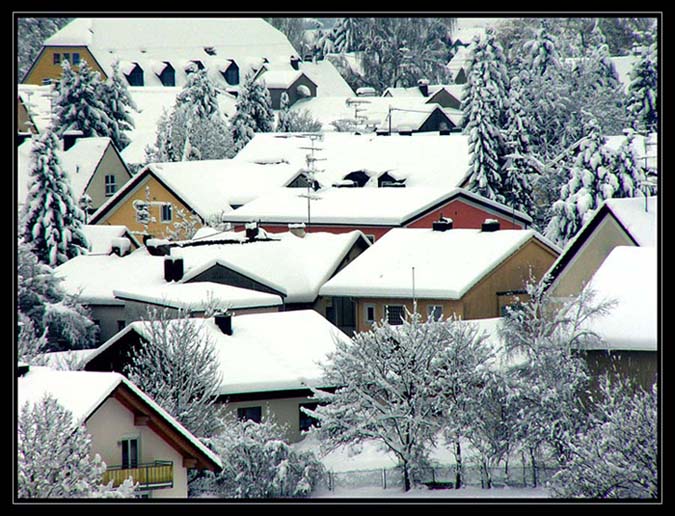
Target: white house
{"points": [[131, 433]]}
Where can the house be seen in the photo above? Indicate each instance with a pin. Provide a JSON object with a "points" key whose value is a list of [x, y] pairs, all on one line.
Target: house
{"points": [[617, 222], [629, 277], [296, 84], [110, 239], [93, 166], [473, 273], [459, 64], [119, 288], [179, 191], [446, 95], [150, 55], [131, 433], [25, 125], [268, 362], [374, 210]]}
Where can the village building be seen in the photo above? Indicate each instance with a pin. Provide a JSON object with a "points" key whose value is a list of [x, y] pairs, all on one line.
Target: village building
{"points": [[132, 434], [110, 239], [471, 273], [446, 95], [268, 362]]}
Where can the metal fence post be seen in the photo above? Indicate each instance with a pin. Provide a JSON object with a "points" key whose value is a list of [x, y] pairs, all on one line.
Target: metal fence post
{"points": [[384, 478]]}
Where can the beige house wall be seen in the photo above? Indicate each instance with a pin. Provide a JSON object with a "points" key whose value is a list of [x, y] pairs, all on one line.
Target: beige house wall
{"points": [[110, 164], [286, 412], [112, 422], [124, 214], [585, 263], [107, 317], [44, 67], [481, 301], [23, 121]]}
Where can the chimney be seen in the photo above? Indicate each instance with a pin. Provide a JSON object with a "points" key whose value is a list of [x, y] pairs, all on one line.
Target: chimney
{"points": [[295, 62], [120, 246], [157, 247], [490, 225], [22, 369], [423, 85], [173, 268], [69, 139], [251, 230], [297, 229], [224, 321], [442, 224]]}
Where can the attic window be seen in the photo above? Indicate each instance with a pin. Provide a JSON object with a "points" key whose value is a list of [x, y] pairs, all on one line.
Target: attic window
{"points": [[387, 180], [359, 177], [231, 74], [394, 314], [134, 74], [210, 51]]}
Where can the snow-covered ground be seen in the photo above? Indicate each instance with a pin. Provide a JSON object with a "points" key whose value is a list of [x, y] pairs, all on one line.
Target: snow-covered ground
{"points": [[423, 492]]}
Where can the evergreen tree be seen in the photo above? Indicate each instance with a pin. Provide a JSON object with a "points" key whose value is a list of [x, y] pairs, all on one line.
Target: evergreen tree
{"points": [[54, 456], [118, 104], [348, 35], [591, 181], [629, 170], [643, 90], [253, 113], [80, 105], [31, 34], [52, 220], [484, 106]]}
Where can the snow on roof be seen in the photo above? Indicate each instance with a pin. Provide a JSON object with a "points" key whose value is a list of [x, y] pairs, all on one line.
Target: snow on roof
{"points": [[101, 238], [211, 186], [266, 351], [441, 272], [460, 60], [196, 296], [327, 78], [280, 78], [640, 223], [425, 159], [82, 392], [296, 266], [629, 276], [79, 163], [38, 102], [466, 34], [97, 278], [623, 66], [374, 110]]}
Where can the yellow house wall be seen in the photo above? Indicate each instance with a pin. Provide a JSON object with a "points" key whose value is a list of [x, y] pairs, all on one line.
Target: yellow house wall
{"points": [[110, 164], [111, 422], [124, 213], [285, 411], [44, 67], [23, 121], [590, 256], [481, 301]]}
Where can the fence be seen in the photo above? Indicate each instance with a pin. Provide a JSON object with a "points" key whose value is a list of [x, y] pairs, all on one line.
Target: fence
{"points": [[438, 477]]}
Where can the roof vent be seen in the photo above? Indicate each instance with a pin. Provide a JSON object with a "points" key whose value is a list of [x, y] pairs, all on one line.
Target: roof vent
{"points": [[297, 229], [251, 230], [224, 321], [490, 225], [120, 246], [442, 224]]}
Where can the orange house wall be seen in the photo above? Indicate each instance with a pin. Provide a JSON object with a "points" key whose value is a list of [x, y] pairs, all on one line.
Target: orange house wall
{"points": [[44, 67]]}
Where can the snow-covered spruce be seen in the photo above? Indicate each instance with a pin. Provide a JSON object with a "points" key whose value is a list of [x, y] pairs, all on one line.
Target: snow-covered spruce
{"points": [[52, 220], [254, 113], [178, 367], [643, 90], [258, 463], [118, 104], [616, 455], [296, 121], [55, 459]]}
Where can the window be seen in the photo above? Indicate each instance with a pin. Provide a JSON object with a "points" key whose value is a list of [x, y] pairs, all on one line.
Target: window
{"points": [[129, 453], [110, 185], [167, 213], [121, 325], [57, 58], [76, 58], [231, 75], [47, 81], [435, 312], [250, 413], [142, 210], [394, 314], [66, 56], [307, 421], [369, 313], [371, 238]]}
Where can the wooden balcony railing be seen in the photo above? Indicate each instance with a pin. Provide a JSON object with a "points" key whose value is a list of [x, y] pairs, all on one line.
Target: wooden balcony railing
{"points": [[153, 475]]}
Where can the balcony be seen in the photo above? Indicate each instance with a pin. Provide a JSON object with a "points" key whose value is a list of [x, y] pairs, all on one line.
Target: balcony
{"points": [[153, 475]]}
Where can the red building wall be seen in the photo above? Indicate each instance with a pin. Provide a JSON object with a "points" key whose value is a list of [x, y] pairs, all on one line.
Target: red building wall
{"points": [[464, 216]]}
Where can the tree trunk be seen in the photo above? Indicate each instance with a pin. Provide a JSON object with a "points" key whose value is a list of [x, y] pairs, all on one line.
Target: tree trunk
{"points": [[458, 466], [406, 476], [534, 467]]}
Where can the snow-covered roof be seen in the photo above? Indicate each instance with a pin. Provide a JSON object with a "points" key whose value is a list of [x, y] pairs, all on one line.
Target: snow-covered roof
{"points": [[424, 159], [465, 35], [456, 90], [38, 101], [374, 110], [82, 392], [628, 276], [101, 238], [623, 66], [139, 275], [460, 60], [327, 78], [266, 352], [640, 223], [447, 264], [280, 78], [147, 41], [79, 163], [292, 265]]}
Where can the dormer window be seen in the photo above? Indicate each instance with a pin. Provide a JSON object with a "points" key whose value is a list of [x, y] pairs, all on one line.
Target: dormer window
{"points": [[168, 75], [210, 51], [134, 74], [198, 63], [231, 74]]}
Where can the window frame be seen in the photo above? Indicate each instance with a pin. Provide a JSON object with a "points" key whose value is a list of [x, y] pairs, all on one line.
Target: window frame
{"points": [[243, 413], [56, 58], [162, 207], [432, 308], [110, 182], [302, 417], [366, 306], [125, 443], [76, 59], [388, 318]]}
